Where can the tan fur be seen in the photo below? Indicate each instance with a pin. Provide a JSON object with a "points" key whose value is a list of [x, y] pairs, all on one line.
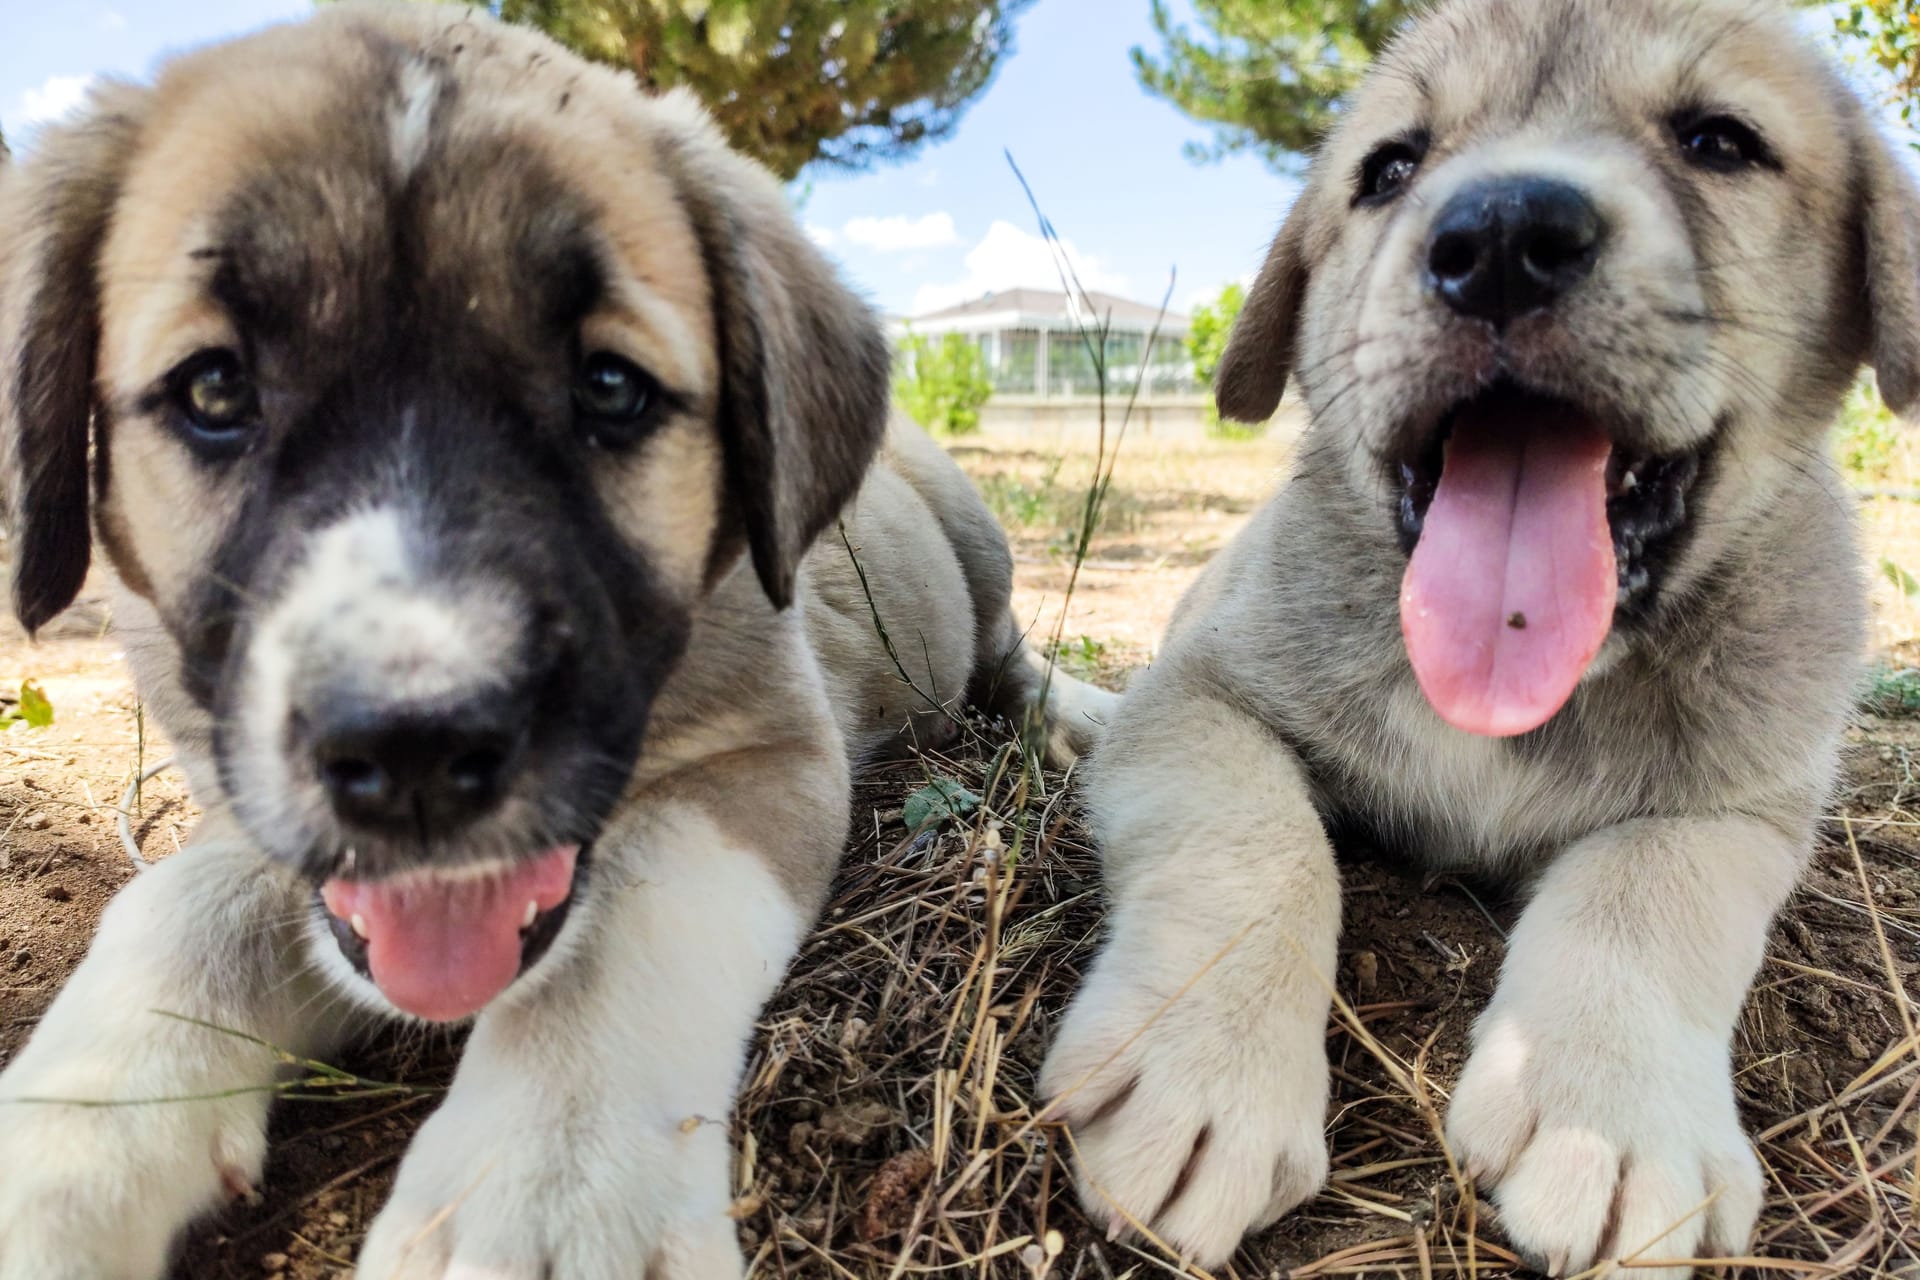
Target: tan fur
{"points": [[1663, 814], [154, 300], [584, 1135]]}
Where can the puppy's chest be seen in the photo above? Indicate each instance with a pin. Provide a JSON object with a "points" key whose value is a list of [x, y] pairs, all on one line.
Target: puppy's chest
{"points": [[1455, 802]]}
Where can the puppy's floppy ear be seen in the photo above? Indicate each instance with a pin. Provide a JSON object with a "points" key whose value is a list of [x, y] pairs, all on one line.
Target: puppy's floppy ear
{"points": [[54, 211], [805, 371], [1889, 229], [1259, 357]]}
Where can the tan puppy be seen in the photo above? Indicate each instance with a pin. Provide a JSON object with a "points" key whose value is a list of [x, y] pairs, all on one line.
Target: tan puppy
{"points": [[1562, 589], [464, 428]]}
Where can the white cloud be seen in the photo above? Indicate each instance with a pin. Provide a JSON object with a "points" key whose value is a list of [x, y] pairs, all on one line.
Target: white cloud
{"points": [[111, 20], [897, 234], [825, 237], [56, 96], [1009, 258]]}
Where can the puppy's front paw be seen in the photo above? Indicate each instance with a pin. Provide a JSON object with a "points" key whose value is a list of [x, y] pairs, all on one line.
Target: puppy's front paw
{"points": [[500, 1185], [1202, 1128], [101, 1192], [1601, 1146]]}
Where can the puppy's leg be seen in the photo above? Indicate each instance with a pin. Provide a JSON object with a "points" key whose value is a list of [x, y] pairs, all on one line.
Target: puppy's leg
{"points": [[1014, 679], [585, 1136], [1077, 712], [1209, 1121], [214, 933], [1598, 1099]]}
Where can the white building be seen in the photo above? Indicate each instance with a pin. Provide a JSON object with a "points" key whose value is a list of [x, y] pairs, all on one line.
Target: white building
{"points": [[1037, 344]]}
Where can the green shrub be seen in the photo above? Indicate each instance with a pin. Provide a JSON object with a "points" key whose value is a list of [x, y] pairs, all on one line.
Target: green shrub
{"points": [[1222, 429], [1207, 333], [1208, 330], [942, 384], [1868, 442]]}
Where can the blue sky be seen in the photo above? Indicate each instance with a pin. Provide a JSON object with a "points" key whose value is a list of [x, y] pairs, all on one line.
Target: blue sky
{"points": [[1104, 158]]}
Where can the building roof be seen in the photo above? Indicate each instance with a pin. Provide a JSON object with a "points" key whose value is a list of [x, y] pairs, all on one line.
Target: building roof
{"points": [[1037, 305]]}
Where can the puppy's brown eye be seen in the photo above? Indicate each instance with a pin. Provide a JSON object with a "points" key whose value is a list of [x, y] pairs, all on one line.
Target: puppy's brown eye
{"points": [[217, 399], [1389, 170], [615, 399], [1722, 144]]}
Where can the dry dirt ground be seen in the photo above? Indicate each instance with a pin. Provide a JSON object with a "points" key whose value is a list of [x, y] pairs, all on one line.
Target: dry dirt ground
{"points": [[886, 1126]]}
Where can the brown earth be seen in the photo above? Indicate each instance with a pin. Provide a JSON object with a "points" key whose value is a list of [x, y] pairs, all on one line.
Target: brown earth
{"points": [[885, 1127]]}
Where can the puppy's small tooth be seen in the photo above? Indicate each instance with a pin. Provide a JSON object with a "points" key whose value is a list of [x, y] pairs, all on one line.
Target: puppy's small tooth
{"points": [[359, 923], [348, 860], [533, 910]]}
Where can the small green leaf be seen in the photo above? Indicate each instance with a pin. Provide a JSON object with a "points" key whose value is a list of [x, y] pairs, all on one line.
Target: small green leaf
{"points": [[34, 707], [1909, 585], [943, 801]]}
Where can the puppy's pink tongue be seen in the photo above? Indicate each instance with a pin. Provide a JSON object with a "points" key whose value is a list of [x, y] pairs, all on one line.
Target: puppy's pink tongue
{"points": [[1512, 585], [442, 946]]}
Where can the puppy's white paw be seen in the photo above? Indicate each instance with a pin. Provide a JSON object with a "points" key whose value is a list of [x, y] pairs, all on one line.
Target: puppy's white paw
{"points": [[101, 1193], [1077, 713], [707, 1249], [499, 1186], [1209, 1125], [1602, 1146]]}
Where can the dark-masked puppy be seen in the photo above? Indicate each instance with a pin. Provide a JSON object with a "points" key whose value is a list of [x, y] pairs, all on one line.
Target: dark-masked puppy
{"points": [[460, 424], [1563, 588]]}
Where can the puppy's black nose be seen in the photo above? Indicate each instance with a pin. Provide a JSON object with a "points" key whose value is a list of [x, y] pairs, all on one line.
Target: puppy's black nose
{"points": [[416, 772], [1507, 247]]}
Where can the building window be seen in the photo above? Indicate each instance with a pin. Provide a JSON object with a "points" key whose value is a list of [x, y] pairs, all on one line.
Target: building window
{"points": [[1070, 369], [1014, 370], [1171, 368]]}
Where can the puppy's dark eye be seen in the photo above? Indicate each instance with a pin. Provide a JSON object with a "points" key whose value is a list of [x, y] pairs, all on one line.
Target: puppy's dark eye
{"points": [[615, 399], [1722, 144], [217, 399], [1389, 170]]}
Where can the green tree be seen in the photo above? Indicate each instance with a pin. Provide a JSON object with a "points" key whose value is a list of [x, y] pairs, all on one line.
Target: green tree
{"points": [[942, 384], [1265, 73], [797, 81], [1208, 329], [1888, 36]]}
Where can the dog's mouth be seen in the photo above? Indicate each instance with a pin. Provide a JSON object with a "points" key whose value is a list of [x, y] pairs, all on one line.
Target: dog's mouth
{"points": [[1529, 534], [442, 943]]}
